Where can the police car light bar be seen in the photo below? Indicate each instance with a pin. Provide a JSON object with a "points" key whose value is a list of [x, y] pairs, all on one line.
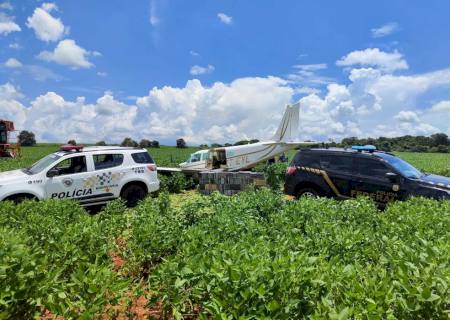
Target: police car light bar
{"points": [[369, 148], [71, 148]]}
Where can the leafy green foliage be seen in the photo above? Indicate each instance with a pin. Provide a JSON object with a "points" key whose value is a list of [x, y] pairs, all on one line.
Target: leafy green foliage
{"points": [[129, 142], [54, 255], [275, 174], [258, 256], [254, 255], [26, 138], [176, 182], [19, 275], [437, 142]]}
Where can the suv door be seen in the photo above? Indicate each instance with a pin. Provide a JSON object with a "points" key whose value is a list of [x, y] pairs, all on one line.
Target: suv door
{"points": [[339, 171], [106, 177], [373, 182], [68, 179]]}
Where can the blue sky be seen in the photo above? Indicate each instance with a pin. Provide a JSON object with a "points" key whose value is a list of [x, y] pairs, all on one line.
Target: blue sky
{"points": [[216, 71]]}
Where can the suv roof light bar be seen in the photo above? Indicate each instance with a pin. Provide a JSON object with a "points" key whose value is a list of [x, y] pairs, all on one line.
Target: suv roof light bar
{"points": [[369, 148]]}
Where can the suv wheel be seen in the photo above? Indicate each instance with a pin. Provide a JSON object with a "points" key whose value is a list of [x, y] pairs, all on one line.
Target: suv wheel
{"points": [[21, 198], [308, 192], [132, 194]]}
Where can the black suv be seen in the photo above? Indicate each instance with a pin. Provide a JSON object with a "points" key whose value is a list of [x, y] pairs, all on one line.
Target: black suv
{"points": [[360, 171]]}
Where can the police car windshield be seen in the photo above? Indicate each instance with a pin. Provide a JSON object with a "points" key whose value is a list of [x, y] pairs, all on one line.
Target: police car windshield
{"points": [[402, 166], [43, 163]]}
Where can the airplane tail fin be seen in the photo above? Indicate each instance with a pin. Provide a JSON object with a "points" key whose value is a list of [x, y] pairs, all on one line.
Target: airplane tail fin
{"points": [[288, 129]]}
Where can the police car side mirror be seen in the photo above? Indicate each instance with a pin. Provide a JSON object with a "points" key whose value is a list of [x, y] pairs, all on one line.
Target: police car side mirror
{"points": [[392, 177], [53, 172]]}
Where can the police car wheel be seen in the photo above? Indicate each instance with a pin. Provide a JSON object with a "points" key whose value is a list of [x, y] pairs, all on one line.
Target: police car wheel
{"points": [[307, 193], [21, 198], [132, 194]]}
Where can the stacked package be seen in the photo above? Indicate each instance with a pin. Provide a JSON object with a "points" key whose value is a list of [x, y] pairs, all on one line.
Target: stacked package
{"points": [[229, 183]]}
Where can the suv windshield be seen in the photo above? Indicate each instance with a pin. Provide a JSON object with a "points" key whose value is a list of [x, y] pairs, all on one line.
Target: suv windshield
{"points": [[402, 166], [43, 163]]}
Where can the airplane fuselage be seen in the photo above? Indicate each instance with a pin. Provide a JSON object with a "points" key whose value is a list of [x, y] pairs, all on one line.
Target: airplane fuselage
{"points": [[237, 158], [248, 156]]}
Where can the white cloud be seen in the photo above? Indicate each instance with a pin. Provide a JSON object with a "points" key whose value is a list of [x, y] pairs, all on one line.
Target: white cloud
{"points": [[225, 18], [46, 27], [371, 103], [385, 30], [48, 6], [194, 54], [191, 112], [6, 5], [14, 45], [311, 67], [441, 106], [40, 73], [11, 107], [154, 18], [13, 63], [165, 113], [374, 57], [68, 53], [439, 115], [407, 116], [102, 74], [307, 75], [198, 70], [7, 24], [376, 104], [306, 90]]}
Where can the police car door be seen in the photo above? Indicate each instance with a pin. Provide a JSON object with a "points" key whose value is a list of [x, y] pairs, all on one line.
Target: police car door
{"points": [[65, 180], [105, 179], [339, 172], [373, 182]]}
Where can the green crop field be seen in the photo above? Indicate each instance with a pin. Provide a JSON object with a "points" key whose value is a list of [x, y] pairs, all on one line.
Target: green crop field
{"points": [[437, 163], [164, 156], [252, 256]]}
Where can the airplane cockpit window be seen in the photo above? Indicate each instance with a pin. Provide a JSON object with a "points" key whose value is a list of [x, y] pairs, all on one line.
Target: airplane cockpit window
{"points": [[195, 157]]}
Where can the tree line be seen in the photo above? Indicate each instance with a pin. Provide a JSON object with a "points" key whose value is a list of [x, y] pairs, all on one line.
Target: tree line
{"points": [[438, 142]]}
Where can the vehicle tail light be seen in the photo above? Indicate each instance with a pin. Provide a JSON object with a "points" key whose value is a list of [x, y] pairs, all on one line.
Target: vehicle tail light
{"points": [[291, 170], [151, 167]]}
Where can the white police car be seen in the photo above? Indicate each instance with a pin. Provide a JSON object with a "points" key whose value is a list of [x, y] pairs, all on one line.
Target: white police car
{"points": [[92, 175]]}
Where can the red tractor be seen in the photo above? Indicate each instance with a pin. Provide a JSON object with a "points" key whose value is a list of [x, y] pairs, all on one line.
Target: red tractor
{"points": [[8, 149]]}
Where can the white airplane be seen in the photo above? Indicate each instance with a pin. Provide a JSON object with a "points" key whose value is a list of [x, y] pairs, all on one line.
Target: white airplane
{"points": [[247, 156]]}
